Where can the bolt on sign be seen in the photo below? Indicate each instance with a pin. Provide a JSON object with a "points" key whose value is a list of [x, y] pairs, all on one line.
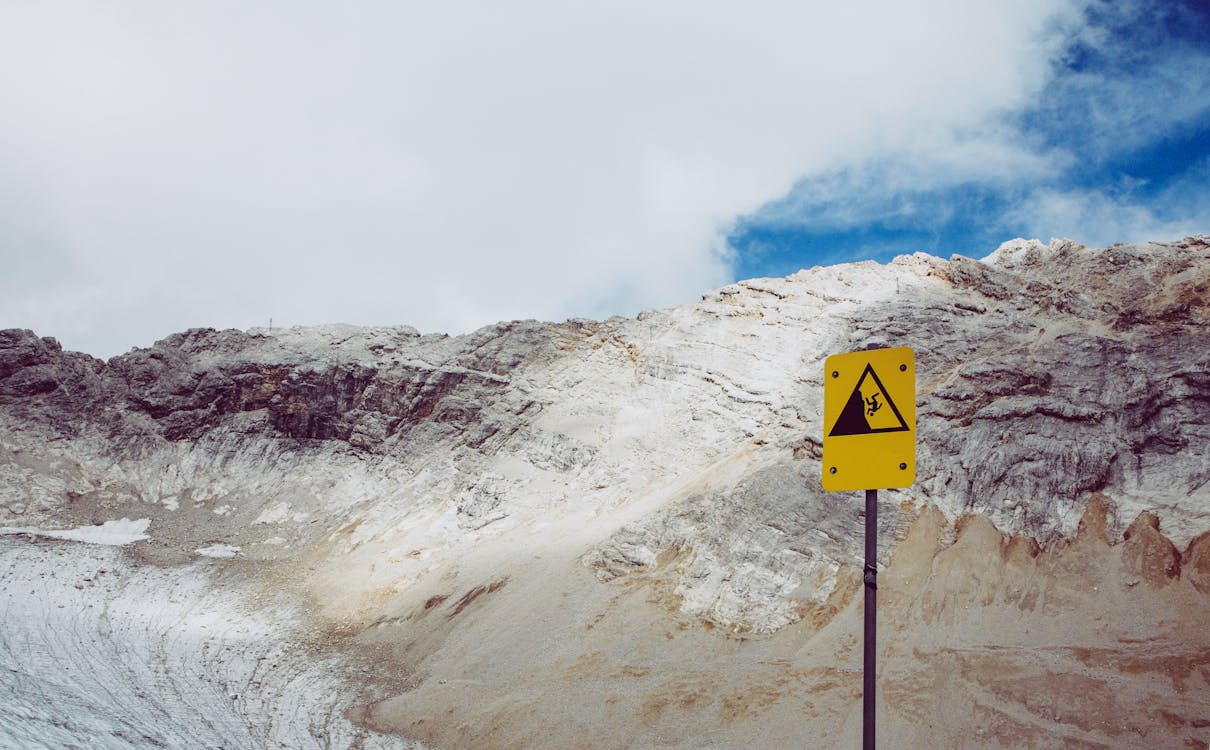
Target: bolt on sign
{"points": [[869, 415]]}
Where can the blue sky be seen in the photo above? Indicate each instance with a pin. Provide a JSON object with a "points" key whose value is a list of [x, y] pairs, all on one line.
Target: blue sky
{"points": [[1122, 127], [448, 165]]}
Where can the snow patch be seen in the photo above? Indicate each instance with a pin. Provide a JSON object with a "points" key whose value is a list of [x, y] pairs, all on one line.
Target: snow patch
{"points": [[219, 550], [111, 533], [276, 514]]}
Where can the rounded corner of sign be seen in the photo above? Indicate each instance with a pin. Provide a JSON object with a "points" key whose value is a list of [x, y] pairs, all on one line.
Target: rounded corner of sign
{"points": [[903, 354], [832, 483]]}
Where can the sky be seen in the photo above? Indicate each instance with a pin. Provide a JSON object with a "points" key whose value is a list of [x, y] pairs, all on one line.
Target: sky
{"points": [[447, 165]]}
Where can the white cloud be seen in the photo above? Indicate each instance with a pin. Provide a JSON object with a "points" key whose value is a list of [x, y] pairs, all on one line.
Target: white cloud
{"points": [[912, 180], [450, 164], [1097, 218]]}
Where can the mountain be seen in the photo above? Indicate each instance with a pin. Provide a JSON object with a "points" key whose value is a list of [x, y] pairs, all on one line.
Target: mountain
{"points": [[613, 534]]}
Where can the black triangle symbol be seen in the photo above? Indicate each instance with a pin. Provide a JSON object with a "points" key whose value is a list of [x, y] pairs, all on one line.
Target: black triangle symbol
{"points": [[852, 419]]}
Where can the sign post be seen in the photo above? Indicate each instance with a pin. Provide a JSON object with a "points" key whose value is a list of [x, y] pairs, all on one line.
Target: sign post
{"points": [[869, 443], [870, 648]]}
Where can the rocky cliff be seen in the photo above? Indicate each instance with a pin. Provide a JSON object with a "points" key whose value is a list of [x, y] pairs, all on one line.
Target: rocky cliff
{"points": [[531, 521]]}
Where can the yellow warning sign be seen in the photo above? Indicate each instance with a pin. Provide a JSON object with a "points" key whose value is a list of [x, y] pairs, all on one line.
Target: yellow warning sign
{"points": [[869, 417]]}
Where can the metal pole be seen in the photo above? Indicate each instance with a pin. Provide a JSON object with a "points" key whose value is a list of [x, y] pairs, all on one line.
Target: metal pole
{"points": [[871, 620]]}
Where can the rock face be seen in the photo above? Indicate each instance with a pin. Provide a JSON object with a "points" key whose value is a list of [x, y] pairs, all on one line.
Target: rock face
{"points": [[386, 477]]}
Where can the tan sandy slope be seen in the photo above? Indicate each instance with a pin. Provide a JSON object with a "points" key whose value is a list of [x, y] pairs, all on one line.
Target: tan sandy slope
{"points": [[985, 641]]}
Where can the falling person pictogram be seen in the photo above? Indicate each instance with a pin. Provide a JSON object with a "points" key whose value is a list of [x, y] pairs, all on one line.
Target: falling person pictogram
{"points": [[864, 413]]}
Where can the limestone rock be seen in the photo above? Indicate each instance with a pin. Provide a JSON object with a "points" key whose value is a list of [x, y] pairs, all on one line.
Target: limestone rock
{"points": [[1148, 553], [1196, 562]]}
